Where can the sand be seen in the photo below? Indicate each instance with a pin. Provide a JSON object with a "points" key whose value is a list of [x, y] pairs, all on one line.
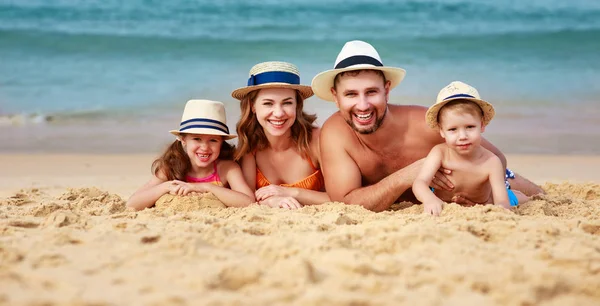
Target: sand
{"points": [[66, 238]]}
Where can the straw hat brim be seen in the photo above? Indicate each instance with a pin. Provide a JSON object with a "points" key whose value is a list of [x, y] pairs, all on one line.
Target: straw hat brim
{"points": [[203, 131], [432, 113], [305, 91], [323, 82]]}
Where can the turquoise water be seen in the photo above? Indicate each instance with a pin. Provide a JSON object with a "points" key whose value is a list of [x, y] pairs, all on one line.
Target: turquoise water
{"points": [[101, 59]]}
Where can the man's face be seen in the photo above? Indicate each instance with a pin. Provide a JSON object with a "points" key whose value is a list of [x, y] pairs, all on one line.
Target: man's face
{"points": [[362, 100]]}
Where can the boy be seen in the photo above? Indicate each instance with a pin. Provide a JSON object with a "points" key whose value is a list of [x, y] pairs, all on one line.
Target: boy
{"points": [[477, 174]]}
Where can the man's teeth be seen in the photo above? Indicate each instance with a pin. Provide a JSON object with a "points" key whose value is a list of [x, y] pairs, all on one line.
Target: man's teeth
{"points": [[364, 117]]}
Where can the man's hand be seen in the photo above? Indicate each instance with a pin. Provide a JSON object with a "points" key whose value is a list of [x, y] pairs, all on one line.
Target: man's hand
{"points": [[272, 191], [281, 202], [433, 208], [441, 181], [458, 199]]}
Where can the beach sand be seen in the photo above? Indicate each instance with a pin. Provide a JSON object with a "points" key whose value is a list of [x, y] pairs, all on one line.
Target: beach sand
{"points": [[66, 238]]}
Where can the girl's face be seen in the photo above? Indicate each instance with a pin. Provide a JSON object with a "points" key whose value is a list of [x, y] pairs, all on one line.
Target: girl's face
{"points": [[202, 149], [275, 110]]}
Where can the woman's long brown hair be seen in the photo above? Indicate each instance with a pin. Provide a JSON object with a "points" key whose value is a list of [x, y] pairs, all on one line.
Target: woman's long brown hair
{"points": [[175, 164], [251, 136]]}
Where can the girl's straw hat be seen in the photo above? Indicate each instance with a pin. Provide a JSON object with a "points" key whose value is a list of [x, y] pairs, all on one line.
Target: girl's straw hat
{"points": [[355, 55], [458, 91], [273, 75], [204, 117]]}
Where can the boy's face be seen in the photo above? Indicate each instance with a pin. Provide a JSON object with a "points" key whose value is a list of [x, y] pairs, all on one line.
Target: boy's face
{"points": [[461, 130], [362, 100]]}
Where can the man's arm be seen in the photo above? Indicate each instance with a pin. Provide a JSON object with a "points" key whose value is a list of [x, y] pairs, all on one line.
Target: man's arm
{"points": [[343, 180]]}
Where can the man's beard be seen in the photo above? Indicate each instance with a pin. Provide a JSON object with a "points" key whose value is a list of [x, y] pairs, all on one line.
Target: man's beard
{"points": [[378, 122]]}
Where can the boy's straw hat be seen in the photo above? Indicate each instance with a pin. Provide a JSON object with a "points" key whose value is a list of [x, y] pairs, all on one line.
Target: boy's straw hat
{"points": [[458, 91], [204, 117], [273, 75], [355, 55]]}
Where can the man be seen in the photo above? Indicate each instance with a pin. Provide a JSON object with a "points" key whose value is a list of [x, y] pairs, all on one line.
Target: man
{"points": [[372, 151]]}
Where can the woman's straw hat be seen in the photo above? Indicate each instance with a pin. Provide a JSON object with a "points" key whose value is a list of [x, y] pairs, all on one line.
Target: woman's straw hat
{"points": [[273, 75], [355, 55], [458, 91], [204, 117]]}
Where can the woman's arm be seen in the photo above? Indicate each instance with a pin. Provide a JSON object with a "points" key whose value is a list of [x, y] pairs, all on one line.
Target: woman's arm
{"points": [[248, 166]]}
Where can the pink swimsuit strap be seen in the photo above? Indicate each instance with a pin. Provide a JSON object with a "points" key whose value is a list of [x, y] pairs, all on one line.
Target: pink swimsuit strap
{"points": [[211, 178]]}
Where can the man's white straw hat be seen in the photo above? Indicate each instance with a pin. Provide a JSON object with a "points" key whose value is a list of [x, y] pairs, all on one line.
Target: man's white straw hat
{"points": [[355, 55]]}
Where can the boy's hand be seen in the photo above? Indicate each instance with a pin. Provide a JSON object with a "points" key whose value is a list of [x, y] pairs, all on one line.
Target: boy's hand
{"points": [[433, 208], [441, 181]]}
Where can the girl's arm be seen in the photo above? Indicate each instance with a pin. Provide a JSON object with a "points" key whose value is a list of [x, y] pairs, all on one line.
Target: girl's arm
{"points": [[431, 203], [240, 195], [148, 194], [496, 177]]}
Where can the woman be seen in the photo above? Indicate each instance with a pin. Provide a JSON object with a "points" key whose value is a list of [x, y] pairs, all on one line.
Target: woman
{"points": [[277, 141]]}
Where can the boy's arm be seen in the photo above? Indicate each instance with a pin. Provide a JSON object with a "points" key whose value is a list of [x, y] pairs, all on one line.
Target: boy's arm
{"points": [[496, 178], [420, 187]]}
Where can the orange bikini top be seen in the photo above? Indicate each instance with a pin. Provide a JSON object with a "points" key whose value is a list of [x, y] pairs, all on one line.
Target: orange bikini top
{"points": [[314, 181]]}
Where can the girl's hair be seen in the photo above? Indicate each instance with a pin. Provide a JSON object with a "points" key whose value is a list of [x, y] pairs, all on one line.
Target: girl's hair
{"points": [[251, 136], [175, 164]]}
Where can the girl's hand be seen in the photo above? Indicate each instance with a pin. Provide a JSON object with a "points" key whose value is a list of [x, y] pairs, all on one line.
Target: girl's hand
{"points": [[173, 187], [281, 202], [433, 208], [183, 188], [272, 191]]}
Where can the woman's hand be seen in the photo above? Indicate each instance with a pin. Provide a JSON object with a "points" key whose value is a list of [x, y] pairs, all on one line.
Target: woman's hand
{"points": [[272, 191], [281, 202]]}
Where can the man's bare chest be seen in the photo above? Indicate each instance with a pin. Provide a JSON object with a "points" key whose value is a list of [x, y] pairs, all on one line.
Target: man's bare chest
{"points": [[376, 165]]}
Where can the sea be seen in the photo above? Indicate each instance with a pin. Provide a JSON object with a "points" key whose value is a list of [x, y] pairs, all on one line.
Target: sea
{"points": [[108, 76]]}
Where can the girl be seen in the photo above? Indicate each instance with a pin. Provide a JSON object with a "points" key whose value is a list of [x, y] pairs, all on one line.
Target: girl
{"points": [[278, 143], [198, 161]]}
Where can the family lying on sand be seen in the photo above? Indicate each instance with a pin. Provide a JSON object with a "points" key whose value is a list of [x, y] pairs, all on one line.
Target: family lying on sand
{"points": [[369, 153]]}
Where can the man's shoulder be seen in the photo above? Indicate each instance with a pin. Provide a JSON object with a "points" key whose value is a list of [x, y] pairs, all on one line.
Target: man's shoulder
{"points": [[410, 110], [334, 124]]}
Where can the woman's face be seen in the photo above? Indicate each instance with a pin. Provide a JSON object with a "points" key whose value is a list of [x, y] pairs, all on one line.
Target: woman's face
{"points": [[275, 110]]}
